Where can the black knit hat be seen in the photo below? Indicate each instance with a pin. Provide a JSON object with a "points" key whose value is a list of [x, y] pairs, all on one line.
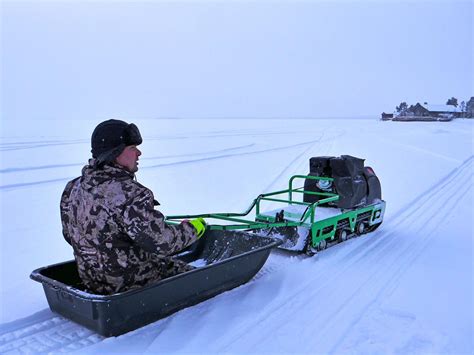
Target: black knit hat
{"points": [[110, 138]]}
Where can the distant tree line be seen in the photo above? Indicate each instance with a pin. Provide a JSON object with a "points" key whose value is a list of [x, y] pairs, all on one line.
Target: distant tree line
{"points": [[466, 108]]}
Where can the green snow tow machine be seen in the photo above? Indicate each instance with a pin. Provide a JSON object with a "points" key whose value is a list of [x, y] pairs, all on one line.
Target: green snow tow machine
{"points": [[340, 198]]}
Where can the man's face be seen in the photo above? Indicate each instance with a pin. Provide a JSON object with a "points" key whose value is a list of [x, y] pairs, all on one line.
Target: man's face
{"points": [[129, 158]]}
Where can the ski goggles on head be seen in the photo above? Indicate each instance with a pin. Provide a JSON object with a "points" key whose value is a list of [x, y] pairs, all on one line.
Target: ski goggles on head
{"points": [[131, 135], [111, 137]]}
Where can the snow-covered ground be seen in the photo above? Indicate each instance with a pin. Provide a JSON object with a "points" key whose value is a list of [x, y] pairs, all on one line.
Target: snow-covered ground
{"points": [[406, 288]]}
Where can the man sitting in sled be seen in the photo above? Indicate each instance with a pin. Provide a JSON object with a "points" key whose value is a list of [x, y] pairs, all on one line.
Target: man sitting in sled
{"points": [[120, 241]]}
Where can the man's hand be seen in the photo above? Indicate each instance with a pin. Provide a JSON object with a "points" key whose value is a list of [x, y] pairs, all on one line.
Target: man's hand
{"points": [[200, 225]]}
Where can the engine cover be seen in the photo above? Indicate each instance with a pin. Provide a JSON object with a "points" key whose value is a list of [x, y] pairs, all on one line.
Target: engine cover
{"points": [[355, 184]]}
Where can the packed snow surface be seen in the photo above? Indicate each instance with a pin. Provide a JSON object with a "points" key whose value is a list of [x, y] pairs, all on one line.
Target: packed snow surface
{"points": [[405, 288]]}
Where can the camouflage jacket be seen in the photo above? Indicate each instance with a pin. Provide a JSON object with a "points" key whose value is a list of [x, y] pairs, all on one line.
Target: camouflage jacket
{"points": [[119, 240]]}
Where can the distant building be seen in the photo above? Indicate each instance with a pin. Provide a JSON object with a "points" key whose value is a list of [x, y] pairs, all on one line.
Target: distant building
{"points": [[447, 111], [387, 116], [427, 112], [419, 110]]}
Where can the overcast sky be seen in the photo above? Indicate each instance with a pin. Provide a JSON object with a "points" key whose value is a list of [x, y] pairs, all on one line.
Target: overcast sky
{"points": [[78, 59]]}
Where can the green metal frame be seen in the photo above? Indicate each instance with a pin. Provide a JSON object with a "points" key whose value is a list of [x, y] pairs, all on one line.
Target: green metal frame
{"points": [[307, 220]]}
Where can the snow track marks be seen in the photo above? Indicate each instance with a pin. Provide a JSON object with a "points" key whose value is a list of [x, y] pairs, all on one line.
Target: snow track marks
{"points": [[54, 334], [345, 275], [371, 266]]}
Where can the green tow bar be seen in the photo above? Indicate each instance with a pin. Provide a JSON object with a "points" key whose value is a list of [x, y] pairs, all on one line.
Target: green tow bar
{"points": [[242, 223]]}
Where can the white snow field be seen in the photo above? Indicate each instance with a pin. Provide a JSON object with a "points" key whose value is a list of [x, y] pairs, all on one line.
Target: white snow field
{"points": [[405, 288]]}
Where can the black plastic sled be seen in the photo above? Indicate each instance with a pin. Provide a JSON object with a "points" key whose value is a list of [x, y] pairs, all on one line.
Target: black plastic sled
{"points": [[223, 260]]}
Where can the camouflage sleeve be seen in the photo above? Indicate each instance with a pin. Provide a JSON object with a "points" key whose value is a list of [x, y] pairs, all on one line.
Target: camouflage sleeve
{"points": [[64, 206], [147, 227]]}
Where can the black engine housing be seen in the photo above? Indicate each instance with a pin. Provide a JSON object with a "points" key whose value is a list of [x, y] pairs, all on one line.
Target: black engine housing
{"points": [[355, 184]]}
